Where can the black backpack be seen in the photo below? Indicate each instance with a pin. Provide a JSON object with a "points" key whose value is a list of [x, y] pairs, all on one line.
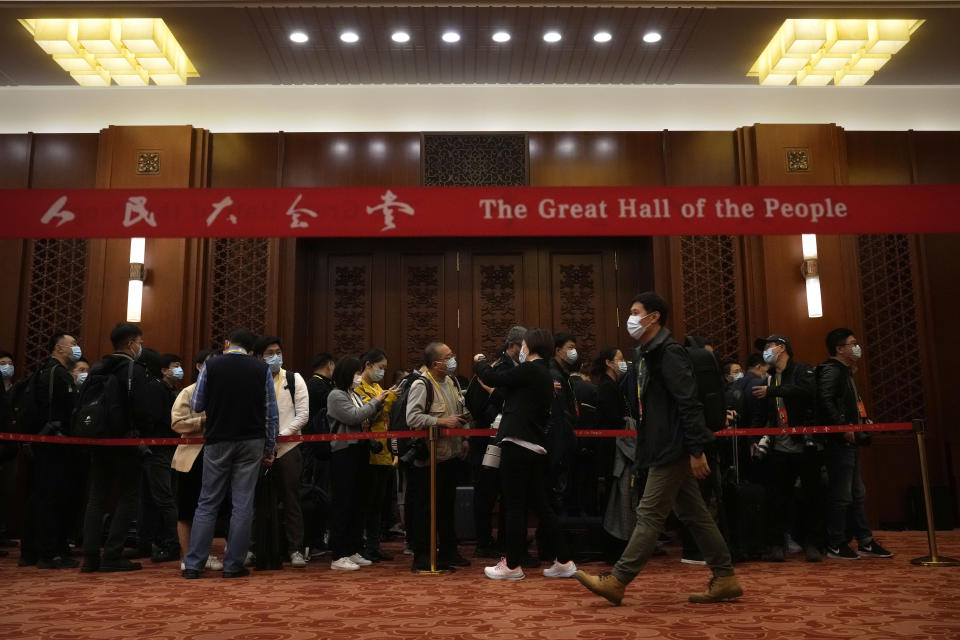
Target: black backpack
{"points": [[709, 387], [24, 414], [398, 413], [104, 407], [316, 424]]}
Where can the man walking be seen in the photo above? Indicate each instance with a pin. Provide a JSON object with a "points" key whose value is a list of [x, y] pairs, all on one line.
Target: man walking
{"points": [[671, 436], [238, 395]]}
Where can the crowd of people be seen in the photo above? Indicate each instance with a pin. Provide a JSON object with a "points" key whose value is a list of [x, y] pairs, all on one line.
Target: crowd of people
{"points": [[734, 499]]}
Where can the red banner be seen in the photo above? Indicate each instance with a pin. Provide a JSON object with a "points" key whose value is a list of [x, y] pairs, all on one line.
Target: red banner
{"points": [[478, 211]]}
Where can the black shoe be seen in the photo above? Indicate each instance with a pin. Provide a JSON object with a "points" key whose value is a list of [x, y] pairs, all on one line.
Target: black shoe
{"points": [[841, 552], [812, 553], [91, 564], [190, 574], [242, 572], [369, 555], [774, 554], [7, 542], [136, 554], [454, 560], [48, 563], [379, 554], [114, 566], [4, 553], [530, 562], [63, 562], [487, 552], [165, 556], [873, 550], [27, 560]]}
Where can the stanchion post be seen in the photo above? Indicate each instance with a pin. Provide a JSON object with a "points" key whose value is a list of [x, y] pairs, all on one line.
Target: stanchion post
{"points": [[434, 433], [934, 559]]}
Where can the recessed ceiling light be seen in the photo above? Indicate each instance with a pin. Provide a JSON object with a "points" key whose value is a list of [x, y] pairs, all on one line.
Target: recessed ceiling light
{"points": [[400, 36], [451, 36], [552, 36], [651, 37], [501, 36], [349, 37], [299, 37], [602, 36]]}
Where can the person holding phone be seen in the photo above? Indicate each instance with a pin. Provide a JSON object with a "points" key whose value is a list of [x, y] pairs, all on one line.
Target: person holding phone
{"points": [[436, 399]]}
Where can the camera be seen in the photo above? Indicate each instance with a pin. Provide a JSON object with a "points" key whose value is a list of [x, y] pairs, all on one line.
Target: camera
{"points": [[375, 446]]}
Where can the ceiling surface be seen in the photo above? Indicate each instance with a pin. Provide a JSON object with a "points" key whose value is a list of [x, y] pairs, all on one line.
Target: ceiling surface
{"points": [[247, 43]]}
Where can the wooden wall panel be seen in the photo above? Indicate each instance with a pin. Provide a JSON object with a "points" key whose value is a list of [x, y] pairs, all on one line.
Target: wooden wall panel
{"points": [[596, 158], [245, 159], [351, 159], [14, 174], [15, 160]]}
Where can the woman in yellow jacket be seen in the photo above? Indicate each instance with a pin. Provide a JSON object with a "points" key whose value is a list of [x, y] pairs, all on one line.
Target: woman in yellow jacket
{"points": [[376, 480]]}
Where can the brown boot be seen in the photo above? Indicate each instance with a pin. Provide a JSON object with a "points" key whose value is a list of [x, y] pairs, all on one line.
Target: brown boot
{"points": [[604, 585], [720, 588]]}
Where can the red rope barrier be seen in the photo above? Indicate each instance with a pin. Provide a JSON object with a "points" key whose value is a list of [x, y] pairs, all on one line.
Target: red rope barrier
{"points": [[376, 435]]}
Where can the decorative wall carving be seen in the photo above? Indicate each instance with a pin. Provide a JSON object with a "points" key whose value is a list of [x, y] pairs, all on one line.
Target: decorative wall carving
{"points": [[58, 271], [498, 304], [422, 315], [890, 328], [350, 293], [238, 286], [148, 162], [576, 303], [798, 160], [498, 160], [709, 285]]}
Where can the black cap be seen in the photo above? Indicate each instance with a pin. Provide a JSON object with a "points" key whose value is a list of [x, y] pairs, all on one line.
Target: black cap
{"points": [[761, 343]]}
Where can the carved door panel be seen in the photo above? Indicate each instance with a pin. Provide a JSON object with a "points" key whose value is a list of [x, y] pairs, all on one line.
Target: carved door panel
{"points": [[347, 328], [421, 304], [498, 289]]}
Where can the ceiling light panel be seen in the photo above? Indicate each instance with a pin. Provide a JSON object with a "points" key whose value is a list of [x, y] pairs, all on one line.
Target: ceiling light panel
{"points": [[816, 52], [128, 51]]}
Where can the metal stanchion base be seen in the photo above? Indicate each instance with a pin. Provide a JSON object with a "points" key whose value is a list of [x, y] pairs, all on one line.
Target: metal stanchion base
{"points": [[437, 572], [936, 561]]}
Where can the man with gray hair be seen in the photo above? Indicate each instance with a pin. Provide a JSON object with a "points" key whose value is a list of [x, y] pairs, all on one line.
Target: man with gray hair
{"points": [[485, 403], [435, 399]]}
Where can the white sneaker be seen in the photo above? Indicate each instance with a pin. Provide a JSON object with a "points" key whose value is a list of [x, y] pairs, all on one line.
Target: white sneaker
{"points": [[250, 560], [359, 560], [791, 545], [558, 570], [183, 566], [297, 560], [344, 564], [214, 564], [502, 572]]}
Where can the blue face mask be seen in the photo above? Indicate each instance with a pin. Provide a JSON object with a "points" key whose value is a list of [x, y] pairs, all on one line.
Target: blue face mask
{"points": [[6, 370], [769, 356], [81, 378], [275, 362], [75, 353], [177, 373], [451, 366], [523, 356]]}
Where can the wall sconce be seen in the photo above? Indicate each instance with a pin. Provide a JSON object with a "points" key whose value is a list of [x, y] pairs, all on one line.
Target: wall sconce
{"points": [[137, 272], [810, 269]]}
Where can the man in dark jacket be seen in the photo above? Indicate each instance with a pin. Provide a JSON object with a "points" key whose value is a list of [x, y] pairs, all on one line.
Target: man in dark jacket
{"points": [[47, 509], [790, 393], [671, 439], [839, 403], [240, 399], [315, 482], [117, 467], [564, 414]]}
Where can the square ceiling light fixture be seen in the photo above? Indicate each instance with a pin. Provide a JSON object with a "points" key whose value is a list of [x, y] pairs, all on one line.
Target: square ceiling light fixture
{"points": [[817, 52], [128, 51]]}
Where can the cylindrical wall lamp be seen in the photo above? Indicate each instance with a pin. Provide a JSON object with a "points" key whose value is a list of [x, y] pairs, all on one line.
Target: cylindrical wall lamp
{"points": [[137, 272], [810, 269]]}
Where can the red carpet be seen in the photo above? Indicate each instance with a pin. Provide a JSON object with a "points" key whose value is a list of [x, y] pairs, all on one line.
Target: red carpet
{"points": [[835, 599]]}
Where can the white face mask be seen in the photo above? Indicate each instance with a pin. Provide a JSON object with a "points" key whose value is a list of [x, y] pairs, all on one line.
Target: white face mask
{"points": [[571, 356], [451, 365], [523, 356], [82, 377], [622, 366], [377, 375], [6, 370], [634, 327], [856, 352], [75, 353], [356, 382], [769, 356], [737, 376]]}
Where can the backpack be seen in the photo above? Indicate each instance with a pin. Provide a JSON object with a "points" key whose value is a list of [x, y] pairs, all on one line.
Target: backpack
{"points": [[710, 389], [25, 415], [398, 414], [103, 410], [316, 424]]}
